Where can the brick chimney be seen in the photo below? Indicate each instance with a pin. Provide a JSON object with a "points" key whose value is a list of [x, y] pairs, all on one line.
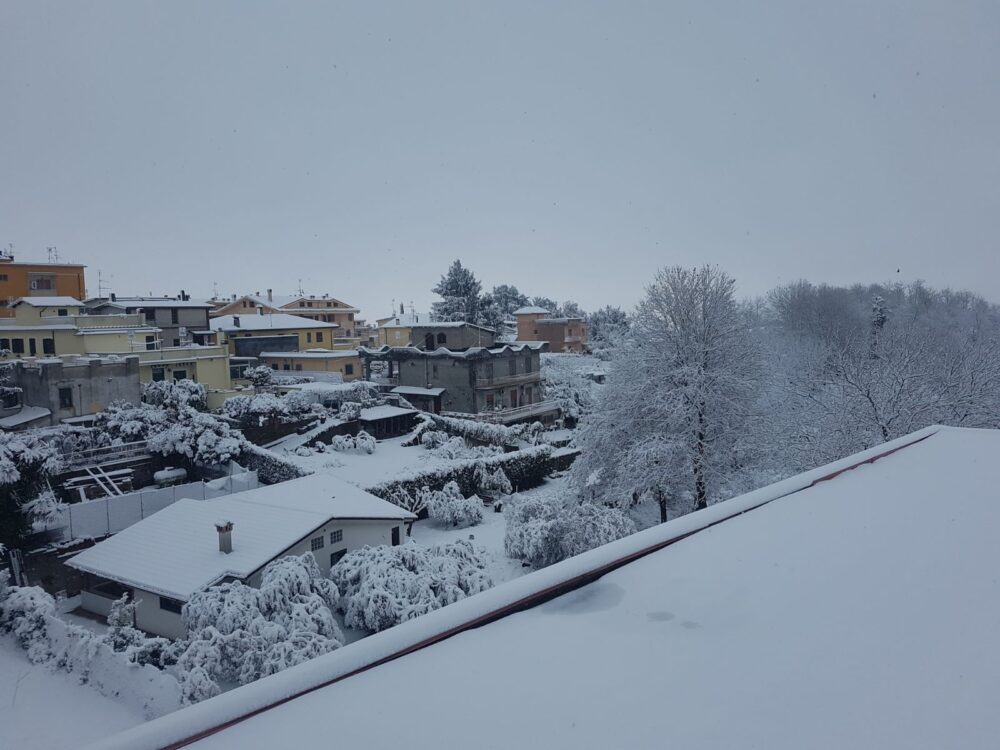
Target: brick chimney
{"points": [[225, 529]]}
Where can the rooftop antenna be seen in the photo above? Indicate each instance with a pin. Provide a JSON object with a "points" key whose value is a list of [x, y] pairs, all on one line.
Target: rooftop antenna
{"points": [[215, 290], [9, 252], [53, 254], [100, 283], [301, 291]]}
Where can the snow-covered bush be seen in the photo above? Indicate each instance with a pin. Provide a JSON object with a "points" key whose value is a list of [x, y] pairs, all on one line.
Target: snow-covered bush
{"points": [[570, 379], [414, 503], [175, 394], [492, 483], [240, 633], [543, 532], [46, 509], [266, 408], [432, 439], [259, 376], [350, 410], [455, 449], [451, 508], [122, 422], [360, 443], [270, 467], [384, 586], [481, 432], [26, 463]]}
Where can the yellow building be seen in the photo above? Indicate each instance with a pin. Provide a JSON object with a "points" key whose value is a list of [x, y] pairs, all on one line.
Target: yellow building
{"points": [[52, 326], [19, 280], [57, 326], [346, 362], [323, 308], [397, 330], [249, 335]]}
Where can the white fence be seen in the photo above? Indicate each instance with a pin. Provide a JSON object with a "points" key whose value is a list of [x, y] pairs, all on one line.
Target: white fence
{"points": [[109, 515]]}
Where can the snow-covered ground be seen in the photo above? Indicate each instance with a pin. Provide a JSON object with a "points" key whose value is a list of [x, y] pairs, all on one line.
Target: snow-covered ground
{"points": [[41, 710]]}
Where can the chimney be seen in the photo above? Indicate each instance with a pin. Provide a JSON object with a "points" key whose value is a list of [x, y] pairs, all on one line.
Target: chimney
{"points": [[270, 295], [236, 321], [114, 298], [184, 296], [225, 529]]}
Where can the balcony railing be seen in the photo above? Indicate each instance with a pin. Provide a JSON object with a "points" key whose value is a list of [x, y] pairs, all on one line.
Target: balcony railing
{"points": [[98, 321], [107, 455], [499, 381]]}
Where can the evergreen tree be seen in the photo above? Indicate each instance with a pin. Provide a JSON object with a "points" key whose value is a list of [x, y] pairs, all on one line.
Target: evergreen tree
{"points": [[459, 290]]}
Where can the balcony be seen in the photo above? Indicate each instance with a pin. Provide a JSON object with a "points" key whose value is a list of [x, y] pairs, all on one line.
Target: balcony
{"points": [[501, 381], [98, 321]]}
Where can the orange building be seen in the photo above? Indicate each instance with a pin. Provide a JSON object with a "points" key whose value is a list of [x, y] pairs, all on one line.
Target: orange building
{"points": [[563, 334], [19, 279]]}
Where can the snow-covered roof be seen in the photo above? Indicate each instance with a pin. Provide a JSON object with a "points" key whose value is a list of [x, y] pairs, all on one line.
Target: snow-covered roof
{"points": [[175, 551], [532, 310], [412, 390], [48, 302], [253, 322], [450, 324], [314, 354], [25, 415], [374, 413], [148, 302], [473, 352], [551, 321], [851, 606]]}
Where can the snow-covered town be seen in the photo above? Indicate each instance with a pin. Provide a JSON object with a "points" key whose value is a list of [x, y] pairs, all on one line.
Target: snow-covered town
{"points": [[406, 377]]}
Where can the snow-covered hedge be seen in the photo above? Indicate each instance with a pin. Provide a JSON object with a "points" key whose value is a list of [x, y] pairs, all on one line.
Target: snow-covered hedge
{"points": [[29, 615], [360, 443], [524, 469], [384, 586], [542, 533], [240, 633], [451, 508], [484, 432], [270, 468], [455, 448]]}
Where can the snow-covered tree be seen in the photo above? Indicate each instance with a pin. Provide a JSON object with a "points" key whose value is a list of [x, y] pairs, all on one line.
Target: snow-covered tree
{"points": [[607, 328], [26, 463], [459, 291], [175, 395], [260, 376], [679, 396], [498, 305], [384, 586], [451, 508], [199, 437], [492, 483]]}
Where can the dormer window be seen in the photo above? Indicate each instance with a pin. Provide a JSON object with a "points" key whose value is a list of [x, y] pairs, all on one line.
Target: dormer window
{"points": [[62, 312]]}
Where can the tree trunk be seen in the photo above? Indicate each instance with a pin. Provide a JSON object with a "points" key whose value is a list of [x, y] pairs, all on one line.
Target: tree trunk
{"points": [[661, 500], [700, 492]]}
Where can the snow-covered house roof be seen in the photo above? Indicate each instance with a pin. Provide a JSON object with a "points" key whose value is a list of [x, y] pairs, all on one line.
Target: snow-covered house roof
{"points": [[375, 413], [412, 390], [473, 352], [175, 552], [148, 302], [48, 302], [532, 310], [314, 354], [279, 321], [851, 606]]}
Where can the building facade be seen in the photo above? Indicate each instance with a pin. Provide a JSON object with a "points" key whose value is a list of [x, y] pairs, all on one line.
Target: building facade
{"points": [[19, 280], [346, 364], [285, 333], [323, 308], [181, 320], [562, 334]]}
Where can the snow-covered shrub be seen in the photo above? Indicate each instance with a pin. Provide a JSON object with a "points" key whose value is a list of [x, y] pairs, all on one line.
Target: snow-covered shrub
{"points": [[481, 432], [542, 533], [350, 410], [455, 449], [450, 507], [26, 463], [432, 439], [303, 450], [175, 395], [122, 422], [384, 586], [570, 380], [360, 443], [414, 503], [240, 633], [492, 483], [259, 376]]}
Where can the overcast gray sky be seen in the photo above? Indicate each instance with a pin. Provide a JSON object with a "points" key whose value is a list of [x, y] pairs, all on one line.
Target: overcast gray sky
{"points": [[569, 148]]}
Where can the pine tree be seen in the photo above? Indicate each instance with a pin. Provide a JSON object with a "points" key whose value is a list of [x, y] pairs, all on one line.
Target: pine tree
{"points": [[459, 291]]}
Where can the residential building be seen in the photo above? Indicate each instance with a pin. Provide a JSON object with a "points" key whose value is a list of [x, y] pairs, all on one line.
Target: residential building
{"points": [[852, 606], [503, 382], [46, 326], [451, 335], [69, 389], [181, 320], [562, 334], [19, 279], [249, 335], [344, 365], [162, 560], [208, 365], [396, 330], [323, 308]]}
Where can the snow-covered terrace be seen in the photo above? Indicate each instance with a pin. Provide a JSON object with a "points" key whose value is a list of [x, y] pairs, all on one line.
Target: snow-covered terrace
{"points": [[856, 605]]}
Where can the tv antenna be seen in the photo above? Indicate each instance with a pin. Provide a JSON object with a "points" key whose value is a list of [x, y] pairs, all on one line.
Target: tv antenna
{"points": [[53, 253]]}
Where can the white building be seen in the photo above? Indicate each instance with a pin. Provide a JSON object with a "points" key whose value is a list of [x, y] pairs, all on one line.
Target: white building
{"points": [[190, 545], [853, 606]]}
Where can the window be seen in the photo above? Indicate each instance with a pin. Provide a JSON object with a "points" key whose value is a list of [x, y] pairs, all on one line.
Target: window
{"points": [[3, 277], [348, 369], [527, 364], [434, 370], [429, 341], [442, 339], [150, 315], [317, 542], [173, 316], [17, 346], [286, 366], [512, 366], [48, 346], [150, 343], [159, 374], [171, 605], [336, 557], [177, 342], [329, 304], [309, 338], [4, 344], [490, 401], [319, 336], [395, 536], [180, 375], [274, 365], [32, 347], [336, 536], [62, 312], [298, 367]]}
